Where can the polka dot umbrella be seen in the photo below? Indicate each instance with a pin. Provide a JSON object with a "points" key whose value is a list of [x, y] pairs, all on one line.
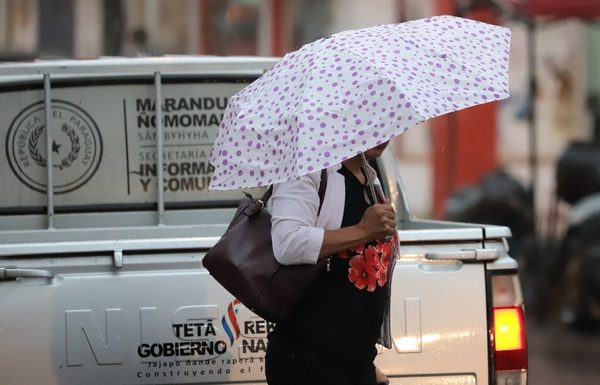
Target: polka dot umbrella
{"points": [[343, 94]]}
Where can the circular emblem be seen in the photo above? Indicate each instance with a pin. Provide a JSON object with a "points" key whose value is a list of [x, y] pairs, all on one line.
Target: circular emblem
{"points": [[76, 147]]}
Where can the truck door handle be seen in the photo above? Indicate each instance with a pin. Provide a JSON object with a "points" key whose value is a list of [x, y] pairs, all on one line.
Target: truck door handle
{"points": [[12, 273], [464, 255]]}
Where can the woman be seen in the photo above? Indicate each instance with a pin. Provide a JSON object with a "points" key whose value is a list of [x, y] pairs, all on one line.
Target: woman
{"points": [[331, 337]]}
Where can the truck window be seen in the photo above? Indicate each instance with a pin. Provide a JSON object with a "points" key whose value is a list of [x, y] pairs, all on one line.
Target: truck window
{"points": [[103, 142]]}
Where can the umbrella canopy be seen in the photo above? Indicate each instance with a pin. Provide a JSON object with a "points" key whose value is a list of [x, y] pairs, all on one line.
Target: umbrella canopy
{"points": [[343, 94]]}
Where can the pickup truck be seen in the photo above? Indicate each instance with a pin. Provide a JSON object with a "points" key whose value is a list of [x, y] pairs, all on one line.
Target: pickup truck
{"points": [[101, 241]]}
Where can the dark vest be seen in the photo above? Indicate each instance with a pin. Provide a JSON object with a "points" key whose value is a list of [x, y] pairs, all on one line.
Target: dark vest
{"points": [[343, 311]]}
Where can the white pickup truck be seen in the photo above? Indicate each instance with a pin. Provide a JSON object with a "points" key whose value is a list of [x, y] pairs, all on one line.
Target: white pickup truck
{"points": [[101, 277]]}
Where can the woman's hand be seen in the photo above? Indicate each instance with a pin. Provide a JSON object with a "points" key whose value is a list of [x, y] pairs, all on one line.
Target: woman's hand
{"points": [[379, 221]]}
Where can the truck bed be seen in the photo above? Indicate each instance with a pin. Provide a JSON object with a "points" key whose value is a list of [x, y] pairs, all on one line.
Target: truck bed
{"points": [[136, 304]]}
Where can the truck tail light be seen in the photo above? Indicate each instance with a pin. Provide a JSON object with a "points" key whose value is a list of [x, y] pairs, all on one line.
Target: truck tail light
{"points": [[508, 330], [509, 338]]}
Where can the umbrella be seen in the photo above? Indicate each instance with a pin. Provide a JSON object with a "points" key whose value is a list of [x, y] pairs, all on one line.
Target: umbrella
{"points": [[343, 94]]}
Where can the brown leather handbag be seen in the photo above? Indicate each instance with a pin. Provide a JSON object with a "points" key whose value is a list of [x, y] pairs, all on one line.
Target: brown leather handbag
{"points": [[242, 261]]}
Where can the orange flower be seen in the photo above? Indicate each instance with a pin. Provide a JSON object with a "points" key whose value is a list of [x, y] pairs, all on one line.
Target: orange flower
{"points": [[372, 256], [358, 249], [387, 250], [363, 273], [343, 254], [382, 275], [386, 253]]}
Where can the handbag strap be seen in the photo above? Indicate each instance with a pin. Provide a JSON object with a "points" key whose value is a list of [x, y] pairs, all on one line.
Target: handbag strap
{"points": [[322, 189]]}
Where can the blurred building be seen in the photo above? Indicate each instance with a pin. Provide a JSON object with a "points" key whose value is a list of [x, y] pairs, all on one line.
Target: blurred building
{"points": [[436, 159]]}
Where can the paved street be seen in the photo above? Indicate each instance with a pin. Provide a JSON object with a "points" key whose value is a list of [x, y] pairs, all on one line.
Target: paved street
{"points": [[558, 356]]}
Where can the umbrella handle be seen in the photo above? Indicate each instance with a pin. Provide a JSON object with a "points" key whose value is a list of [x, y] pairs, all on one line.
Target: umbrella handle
{"points": [[370, 185], [369, 180]]}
